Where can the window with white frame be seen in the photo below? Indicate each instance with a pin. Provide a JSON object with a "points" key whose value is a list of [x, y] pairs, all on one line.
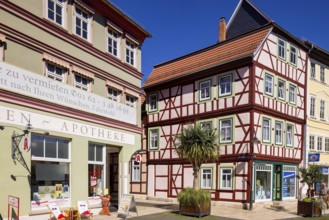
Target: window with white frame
{"points": [[311, 142], [225, 85], [319, 145], [226, 175], [293, 55], [206, 178], [226, 132], [130, 53], [281, 89], [278, 132], [56, 10], [290, 135], [130, 100], [312, 107], [282, 48], [95, 153], [49, 147], [206, 125], [135, 171], [153, 102], [55, 72], [50, 165], [268, 84], [81, 82], [266, 130], [82, 23], [113, 42], [313, 74], [292, 94], [96, 164], [322, 74], [326, 144], [204, 88], [322, 109], [113, 94], [154, 139]]}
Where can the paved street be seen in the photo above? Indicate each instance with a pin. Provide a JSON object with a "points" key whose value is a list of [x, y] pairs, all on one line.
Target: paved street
{"points": [[154, 210]]}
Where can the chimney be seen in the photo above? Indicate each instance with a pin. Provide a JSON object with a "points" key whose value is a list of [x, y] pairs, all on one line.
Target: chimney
{"points": [[222, 29]]}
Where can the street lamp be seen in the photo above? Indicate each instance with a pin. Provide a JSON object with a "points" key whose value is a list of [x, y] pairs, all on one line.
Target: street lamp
{"points": [[252, 157]]}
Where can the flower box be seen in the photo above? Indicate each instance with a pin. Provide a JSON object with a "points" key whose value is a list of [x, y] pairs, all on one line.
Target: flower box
{"points": [[202, 210], [308, 209]]}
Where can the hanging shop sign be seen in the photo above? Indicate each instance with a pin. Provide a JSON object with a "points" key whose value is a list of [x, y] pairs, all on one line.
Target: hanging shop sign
{"points": [[314, 157], [138, 158], [34, 85]]}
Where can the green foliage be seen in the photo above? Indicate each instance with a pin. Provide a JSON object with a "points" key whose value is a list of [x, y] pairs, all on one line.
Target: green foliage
{"points": [[310, 175], [193, 198], [197, 145], [317, 202]]}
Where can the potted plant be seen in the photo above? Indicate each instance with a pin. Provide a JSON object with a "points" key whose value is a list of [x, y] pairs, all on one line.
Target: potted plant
{"points": [[310, 206], [198, 145]]}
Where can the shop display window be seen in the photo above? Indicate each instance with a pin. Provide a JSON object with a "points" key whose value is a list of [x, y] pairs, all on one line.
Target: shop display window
{"points": [[289, 181], [263, 182], [96, 169], [50, 171]]}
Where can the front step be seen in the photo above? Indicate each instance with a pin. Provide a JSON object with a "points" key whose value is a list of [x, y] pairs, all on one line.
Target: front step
{"points": [[277, 206]]}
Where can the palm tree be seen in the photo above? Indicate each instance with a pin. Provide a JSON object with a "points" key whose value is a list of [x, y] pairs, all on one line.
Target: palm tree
{"points": [[198, 145]]}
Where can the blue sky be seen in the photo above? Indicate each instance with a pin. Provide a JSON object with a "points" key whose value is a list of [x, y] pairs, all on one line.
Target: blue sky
{"points": [[180, 27]]}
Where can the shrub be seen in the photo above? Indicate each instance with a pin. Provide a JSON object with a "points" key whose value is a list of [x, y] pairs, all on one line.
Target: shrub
{"points": [[193, 198]]}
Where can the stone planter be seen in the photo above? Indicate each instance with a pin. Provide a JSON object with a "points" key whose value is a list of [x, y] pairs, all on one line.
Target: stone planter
{"points": [[203, 210], [308, 209]]}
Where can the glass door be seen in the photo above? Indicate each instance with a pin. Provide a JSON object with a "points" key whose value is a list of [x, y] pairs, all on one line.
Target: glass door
{"points": [[277, 182]]}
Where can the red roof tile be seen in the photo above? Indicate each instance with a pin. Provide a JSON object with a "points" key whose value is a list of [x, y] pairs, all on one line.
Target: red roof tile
{"points": [[223, 52]]}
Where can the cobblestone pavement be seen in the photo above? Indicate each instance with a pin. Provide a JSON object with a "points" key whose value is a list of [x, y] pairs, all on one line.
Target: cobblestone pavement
{"points": [[222, 211]]}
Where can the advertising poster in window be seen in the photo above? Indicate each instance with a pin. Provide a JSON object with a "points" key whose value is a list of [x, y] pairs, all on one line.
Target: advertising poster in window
{"points": [[93, 181], [288, 186]]}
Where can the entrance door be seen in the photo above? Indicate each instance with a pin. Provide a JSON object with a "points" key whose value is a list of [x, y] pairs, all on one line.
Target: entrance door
{"points": [[277, 182], [114, 178]]}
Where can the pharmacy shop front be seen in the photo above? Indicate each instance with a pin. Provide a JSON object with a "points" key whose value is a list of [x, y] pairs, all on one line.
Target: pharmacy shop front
{"points": [[61, 159]]}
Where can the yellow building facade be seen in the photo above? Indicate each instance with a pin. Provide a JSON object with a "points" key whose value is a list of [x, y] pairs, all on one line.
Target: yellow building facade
{"points": [[317, 130]]}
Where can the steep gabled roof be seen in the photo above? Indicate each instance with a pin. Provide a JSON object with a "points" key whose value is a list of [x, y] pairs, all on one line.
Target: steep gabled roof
{"points": [[246, 17], [223, 52]]}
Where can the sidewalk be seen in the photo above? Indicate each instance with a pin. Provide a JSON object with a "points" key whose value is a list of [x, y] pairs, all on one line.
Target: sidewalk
{"points": [[168, 210]]}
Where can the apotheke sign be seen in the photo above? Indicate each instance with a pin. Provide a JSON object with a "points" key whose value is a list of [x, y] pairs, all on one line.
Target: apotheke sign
{"points": [[26, 83], [47, 123]]}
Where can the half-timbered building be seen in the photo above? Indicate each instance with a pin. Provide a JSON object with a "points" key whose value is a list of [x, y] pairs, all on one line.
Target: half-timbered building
{"points": [[250, 87]]}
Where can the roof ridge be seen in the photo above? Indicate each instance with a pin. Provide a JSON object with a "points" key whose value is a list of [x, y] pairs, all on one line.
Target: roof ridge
{"points": [[218, 44]]}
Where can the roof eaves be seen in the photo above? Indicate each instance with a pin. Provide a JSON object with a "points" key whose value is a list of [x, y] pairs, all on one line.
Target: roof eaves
{"points": [[199, 70]]}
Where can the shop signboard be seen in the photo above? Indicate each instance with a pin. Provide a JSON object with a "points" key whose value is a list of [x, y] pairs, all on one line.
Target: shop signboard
{"points": [[44, 122], [138, 158], [21, 81], [127, 203], [325, 170], [314, 157], [13, 208]]}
